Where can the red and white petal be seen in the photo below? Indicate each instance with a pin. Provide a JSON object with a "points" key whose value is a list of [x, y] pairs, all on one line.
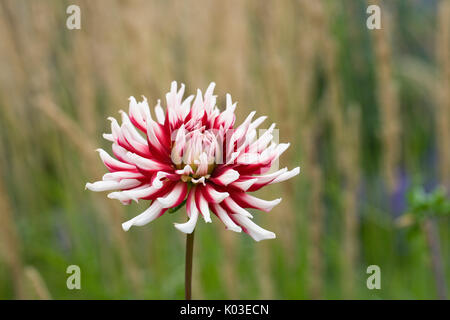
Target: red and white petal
{"points": [[120, 175], [287, 175], [243, 184], [147, 164], [231, 206], [158, 179], [114, 164], [263, 180], [192, 211], [159, 112], [202, 205], [212, 195], [115, 128], [202, 163], [135, 114], [225, 177], [253, 230], [175, 197], [112, 185], [145, 217], [142, 192], [225, 218], [248, 201], [131, 130]]}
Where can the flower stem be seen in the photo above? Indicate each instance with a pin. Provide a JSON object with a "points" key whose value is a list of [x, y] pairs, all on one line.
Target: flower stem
{"points": [[188, 268], [431, 233]]}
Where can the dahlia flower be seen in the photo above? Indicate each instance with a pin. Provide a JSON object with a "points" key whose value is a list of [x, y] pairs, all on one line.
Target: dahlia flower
{"points": [[192, 153]]}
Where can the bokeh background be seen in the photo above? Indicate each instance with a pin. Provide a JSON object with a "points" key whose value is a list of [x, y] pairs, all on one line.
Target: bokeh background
{"points": [[367, 114]]}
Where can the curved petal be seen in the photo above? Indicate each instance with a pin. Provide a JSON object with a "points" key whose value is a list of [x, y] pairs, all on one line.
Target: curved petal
{"points": [[253, 230], [145, 217], [202, 205], [112, 185], [231, 206], [192, 211], [174, 197], [226, 177], [225, 218], [248, 201]]}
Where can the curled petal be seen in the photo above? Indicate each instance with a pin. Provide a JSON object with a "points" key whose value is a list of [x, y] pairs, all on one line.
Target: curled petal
{"points": [[175, 197], [145, 217], [214, 196], [192, 211], [255, 231]]}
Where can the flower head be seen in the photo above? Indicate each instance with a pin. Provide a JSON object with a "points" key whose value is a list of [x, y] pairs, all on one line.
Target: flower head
{"points": [[191, 152]]}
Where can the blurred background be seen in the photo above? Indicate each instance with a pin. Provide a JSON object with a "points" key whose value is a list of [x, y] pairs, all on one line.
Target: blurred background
{"points": [[367, 113]]}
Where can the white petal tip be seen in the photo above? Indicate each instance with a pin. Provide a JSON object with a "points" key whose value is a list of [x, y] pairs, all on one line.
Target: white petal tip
{"points": [[267, 236], [126, 226], [183, 228]]}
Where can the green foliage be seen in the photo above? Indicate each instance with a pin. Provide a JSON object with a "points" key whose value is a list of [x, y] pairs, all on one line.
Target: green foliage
{"points": [[435, 203]]}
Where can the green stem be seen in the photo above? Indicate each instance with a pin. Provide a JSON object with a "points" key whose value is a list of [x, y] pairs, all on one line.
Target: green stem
{"points": [[188, 269], [431, 233]]}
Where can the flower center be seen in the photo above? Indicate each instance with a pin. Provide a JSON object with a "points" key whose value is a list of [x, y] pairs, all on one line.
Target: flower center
{"points": [[196, 153]]}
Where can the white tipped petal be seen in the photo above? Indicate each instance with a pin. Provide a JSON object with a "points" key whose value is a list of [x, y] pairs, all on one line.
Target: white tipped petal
{"points": [[215, 195], [235, 208], [145, 163], [112, 185], [145, 217], [157, 182], [191, 208], [173, 197], [189, 226], [260, 204], [120, 175], [227, 177], [114, 163], [204, 208], [108, 136], [159, 113], [255, 231], [223, 216], [134, 194], [244, 185], [287, 175]]}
